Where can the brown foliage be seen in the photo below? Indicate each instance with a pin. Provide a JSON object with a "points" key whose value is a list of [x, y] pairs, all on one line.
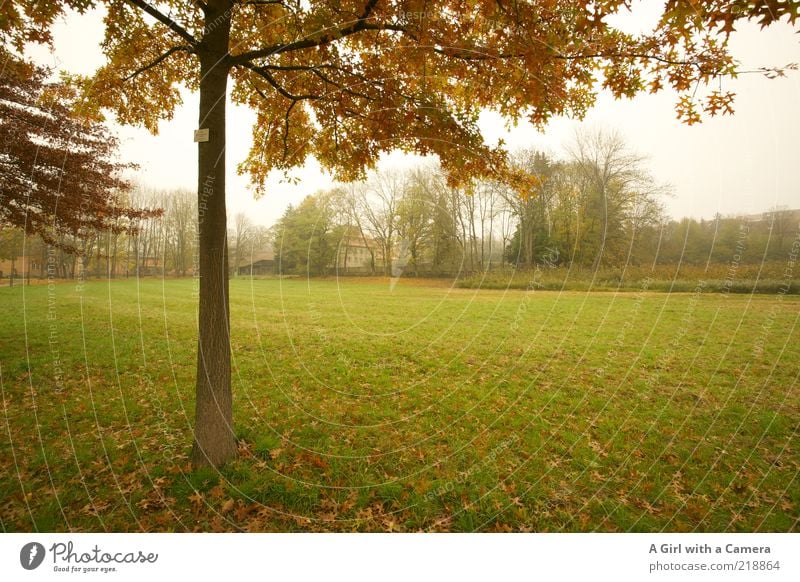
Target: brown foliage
{"points": [[346, 80], [59, 176]]}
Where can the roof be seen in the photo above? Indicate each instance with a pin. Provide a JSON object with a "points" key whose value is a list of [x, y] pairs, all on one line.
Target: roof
{"points": [[249, 258]]}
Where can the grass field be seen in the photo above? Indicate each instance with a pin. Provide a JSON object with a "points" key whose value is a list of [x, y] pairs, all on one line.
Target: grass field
{"points": [[767, 277], [362, 407]]}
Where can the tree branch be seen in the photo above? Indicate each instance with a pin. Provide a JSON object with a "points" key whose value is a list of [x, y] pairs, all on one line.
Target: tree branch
{"points": [[342, 88], [479, 54], [286, 129], [317, 71], [165, 20], [271, 67], [359, 25], [271, 80], [158, 61], [285, 117], [639, 56]]}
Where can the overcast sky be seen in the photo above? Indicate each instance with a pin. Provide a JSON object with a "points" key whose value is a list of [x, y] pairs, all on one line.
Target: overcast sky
{"points": [[745, 163]]}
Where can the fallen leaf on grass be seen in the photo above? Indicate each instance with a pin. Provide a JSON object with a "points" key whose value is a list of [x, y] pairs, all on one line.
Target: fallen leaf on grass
{"points": [[227, 506], [217, 492], [196, 499]]}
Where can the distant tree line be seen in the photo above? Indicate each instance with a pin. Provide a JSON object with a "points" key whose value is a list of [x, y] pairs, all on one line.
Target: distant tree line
{"points": [[597, 208], [153, 244]]}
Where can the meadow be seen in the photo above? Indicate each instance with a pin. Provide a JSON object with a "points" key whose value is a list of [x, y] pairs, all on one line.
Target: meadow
{"points": [[366, 406]]}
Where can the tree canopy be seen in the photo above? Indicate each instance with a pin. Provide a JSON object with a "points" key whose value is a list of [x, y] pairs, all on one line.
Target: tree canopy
{"points": [[348, 79]]}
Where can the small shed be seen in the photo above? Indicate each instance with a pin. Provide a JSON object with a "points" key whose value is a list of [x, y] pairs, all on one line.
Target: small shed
{"points": [[260, 263]]}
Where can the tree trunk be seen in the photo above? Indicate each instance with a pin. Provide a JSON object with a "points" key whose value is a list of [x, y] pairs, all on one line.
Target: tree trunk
{"points": [[387, 257], [97, 259], [108, 259], [214, 442], [603, 230], [114, 257]]}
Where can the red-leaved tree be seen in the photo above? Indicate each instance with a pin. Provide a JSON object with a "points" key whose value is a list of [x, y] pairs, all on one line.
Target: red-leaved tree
{"points": [[59, 176]]}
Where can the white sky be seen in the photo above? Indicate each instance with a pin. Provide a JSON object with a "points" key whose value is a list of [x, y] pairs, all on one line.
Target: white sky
{"points": [[745, 163]]}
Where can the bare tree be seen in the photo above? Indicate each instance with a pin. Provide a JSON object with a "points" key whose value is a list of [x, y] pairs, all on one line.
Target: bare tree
{"points": [[351, 202], [181, 229], [609, 173], [414, 216], [240, 238], [378, 203]]}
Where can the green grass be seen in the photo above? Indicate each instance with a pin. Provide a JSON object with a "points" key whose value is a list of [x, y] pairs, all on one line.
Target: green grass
{"points": [[770, 278], [365, 408]]}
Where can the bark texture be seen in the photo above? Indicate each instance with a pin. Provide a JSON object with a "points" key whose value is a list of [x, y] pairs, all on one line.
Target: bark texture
{"points": [[214, 440]]}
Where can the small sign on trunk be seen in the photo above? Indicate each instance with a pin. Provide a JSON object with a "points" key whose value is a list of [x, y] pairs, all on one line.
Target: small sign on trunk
{"points": [[201, 135]]}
